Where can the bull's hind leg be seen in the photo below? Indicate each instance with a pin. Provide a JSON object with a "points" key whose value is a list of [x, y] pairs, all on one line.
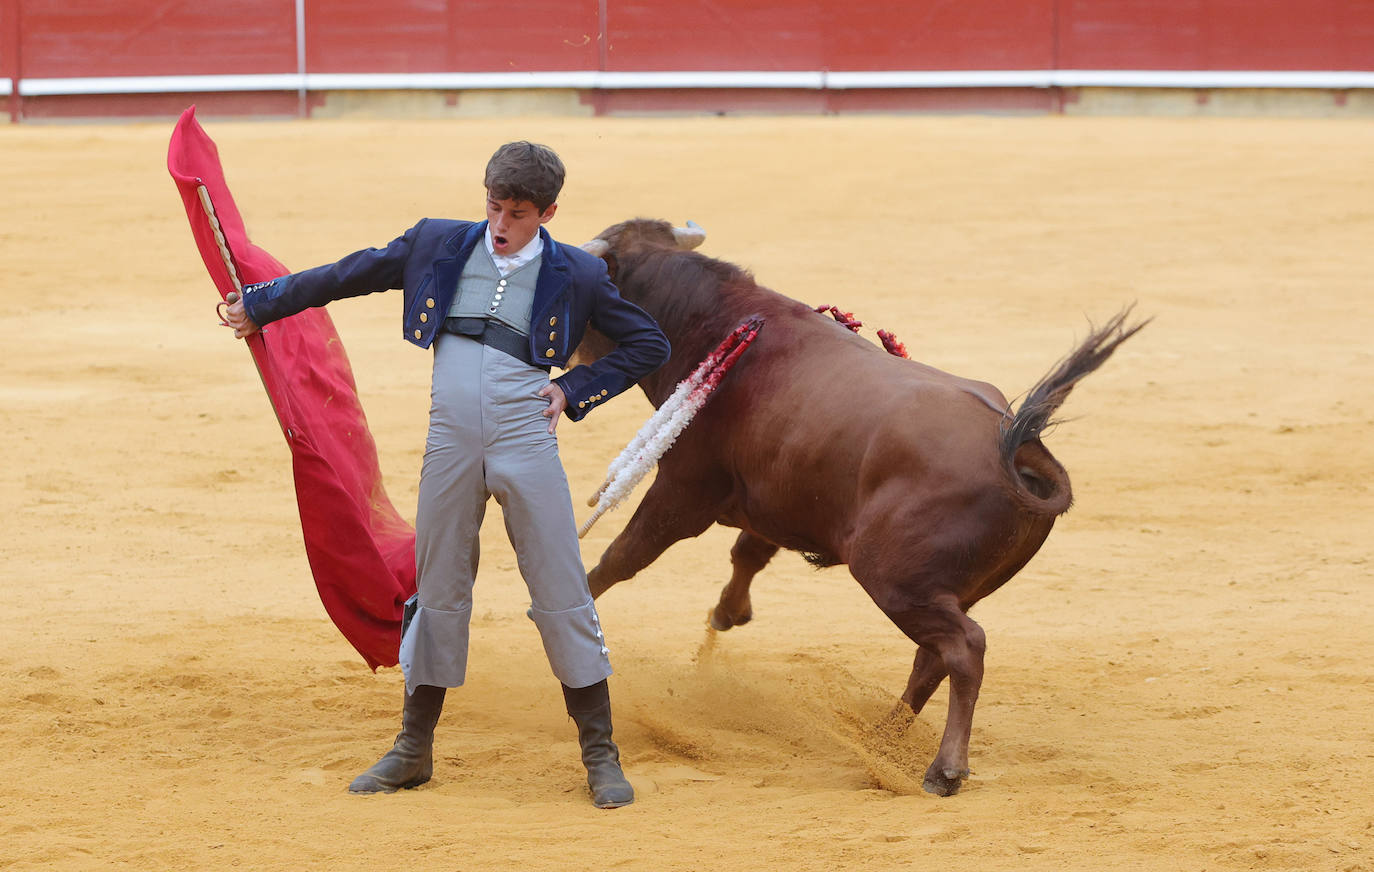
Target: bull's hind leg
{"points": [[927, 671], [748, 557], [942, 627], [662, 518]]}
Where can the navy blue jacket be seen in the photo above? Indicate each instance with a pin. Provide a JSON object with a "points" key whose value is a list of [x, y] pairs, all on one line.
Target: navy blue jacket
{"points": [[573, 290]]}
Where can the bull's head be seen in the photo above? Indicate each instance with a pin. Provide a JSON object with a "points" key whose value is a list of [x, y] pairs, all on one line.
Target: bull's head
{"points": [[619, 240], [626, 235]]}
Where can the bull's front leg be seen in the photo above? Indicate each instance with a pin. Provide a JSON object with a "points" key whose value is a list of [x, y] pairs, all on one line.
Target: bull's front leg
{"points": [[748, 557], [662, 518]]}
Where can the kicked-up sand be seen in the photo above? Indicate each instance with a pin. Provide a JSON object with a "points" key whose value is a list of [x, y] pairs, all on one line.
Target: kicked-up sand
{"points": [[1183, 677]]}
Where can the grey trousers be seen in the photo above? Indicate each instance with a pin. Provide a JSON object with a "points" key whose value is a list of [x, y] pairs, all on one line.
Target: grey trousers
{"points": [[488, 437]]}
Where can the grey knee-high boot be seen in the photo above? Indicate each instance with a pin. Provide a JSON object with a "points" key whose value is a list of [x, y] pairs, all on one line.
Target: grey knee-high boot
{"points": [[590, 708], [410, 762]]}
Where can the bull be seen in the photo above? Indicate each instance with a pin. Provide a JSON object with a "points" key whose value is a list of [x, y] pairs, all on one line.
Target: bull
{"points": [[925, 484]]}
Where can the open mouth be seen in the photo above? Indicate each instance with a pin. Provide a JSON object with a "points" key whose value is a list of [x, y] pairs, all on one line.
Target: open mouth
{"points": [[499, 241]]}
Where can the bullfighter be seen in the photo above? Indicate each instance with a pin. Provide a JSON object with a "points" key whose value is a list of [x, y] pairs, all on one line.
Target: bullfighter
{"points": [[500, 303]]}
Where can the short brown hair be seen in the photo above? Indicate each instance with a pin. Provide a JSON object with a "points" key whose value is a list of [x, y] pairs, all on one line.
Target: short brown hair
{"points": [[525, 171]]}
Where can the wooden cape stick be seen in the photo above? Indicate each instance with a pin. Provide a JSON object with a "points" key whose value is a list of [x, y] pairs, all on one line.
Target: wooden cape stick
{"points": [[228, 257], [224, 252]]}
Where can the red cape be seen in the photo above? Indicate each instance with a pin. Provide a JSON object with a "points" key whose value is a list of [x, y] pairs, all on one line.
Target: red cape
{"points": [[361, 552]]}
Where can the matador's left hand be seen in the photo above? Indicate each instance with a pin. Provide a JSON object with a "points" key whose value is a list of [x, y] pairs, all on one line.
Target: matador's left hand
{"points": [[558, 401]]}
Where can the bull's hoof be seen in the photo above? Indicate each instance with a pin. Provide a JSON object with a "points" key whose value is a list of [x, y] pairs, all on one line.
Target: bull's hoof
{"points": [[943, 782], [899, 718], [720, 619]]}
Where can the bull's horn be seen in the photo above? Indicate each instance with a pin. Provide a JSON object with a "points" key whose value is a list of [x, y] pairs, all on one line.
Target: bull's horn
{"points": [[690, 236], [596, 248]]}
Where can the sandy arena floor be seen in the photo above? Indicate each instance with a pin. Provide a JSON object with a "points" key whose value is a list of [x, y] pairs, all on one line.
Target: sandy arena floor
{"points": [[1183, 678]]}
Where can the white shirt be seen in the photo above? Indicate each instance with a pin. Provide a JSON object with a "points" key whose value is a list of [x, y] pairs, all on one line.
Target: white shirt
{"points": [[508, 263]]}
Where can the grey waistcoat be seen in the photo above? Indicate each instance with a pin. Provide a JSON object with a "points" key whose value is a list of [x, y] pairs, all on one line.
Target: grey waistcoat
{"points": [[484, 293]]}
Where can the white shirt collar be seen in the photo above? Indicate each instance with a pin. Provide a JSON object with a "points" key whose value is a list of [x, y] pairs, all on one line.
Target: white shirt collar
{"points": [[507, 263]]}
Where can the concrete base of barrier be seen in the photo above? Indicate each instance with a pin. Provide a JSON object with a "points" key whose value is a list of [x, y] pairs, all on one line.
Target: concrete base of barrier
{"points": [[448, 104], [1233, 102]]}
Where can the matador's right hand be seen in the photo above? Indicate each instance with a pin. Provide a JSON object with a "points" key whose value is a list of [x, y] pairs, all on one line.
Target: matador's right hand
{"points": [[236, 316]]}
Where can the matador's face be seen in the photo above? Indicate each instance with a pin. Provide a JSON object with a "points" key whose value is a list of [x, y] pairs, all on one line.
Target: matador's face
{"points": [[514, 223]]}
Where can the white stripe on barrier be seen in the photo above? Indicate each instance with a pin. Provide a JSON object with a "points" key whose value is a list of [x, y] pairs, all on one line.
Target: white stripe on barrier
{"points": [[587, 79], [5, 88], [158, 84], [941, 79], [1102, 79], [449, 81], [593, 80], [1337, 80], [799, 79]]}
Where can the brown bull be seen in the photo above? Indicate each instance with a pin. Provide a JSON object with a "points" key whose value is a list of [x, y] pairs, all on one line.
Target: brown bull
{"points": [[923, 482]]}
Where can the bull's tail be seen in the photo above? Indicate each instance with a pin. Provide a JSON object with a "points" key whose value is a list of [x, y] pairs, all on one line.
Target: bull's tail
{"points": [[1042, 483]]}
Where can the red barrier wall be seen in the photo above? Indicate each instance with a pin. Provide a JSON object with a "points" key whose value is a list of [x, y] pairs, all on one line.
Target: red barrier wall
{"points": [[60, 38], [1216, 35], [9, 40], [57, 39], [408, 36], [778, 35], [9, 56]]}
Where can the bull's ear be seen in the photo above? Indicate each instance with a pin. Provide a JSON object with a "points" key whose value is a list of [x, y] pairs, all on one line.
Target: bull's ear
{"points": [[612, 265]]}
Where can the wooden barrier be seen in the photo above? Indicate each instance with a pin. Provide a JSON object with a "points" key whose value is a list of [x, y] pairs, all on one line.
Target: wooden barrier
{"points": [[282, 56]]}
